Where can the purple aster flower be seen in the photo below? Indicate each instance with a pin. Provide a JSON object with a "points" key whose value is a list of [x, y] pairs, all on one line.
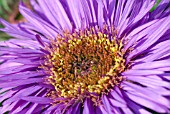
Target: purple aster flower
{"points": [[87, 57]]}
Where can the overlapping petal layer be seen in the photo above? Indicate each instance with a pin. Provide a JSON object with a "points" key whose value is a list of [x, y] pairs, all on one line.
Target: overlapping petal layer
{"points": [[147, 84]]}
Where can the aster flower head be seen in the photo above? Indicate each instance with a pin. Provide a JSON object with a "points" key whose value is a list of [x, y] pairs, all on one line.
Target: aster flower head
{"points": [[87, 56]]}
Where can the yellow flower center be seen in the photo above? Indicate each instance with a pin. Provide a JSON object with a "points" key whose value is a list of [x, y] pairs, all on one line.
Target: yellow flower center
{"points": [[88, 61]]}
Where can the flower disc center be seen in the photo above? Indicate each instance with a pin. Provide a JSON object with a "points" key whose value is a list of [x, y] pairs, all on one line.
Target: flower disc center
{"points": [[88, 61]]}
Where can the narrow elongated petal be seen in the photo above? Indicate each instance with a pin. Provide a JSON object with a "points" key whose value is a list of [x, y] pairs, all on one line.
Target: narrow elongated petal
{"points": [[87, 57]]}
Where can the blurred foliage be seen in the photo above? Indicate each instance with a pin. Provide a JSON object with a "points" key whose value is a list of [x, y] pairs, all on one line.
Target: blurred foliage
{"points": [[3, 36], [9, 11], [154, 7], [6, 7]]}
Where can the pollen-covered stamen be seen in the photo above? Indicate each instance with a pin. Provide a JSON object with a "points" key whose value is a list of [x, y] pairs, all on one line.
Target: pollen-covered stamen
{"points": [[85, 61]]}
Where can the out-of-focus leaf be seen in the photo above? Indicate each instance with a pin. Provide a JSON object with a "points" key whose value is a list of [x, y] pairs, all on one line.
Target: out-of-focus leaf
{"points": [[155, 6], [5, 4], [7, 7], [4, 36]]}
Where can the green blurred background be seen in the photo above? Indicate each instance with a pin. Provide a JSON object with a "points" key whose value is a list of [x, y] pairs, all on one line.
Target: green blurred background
{"points": [[9, 11]]}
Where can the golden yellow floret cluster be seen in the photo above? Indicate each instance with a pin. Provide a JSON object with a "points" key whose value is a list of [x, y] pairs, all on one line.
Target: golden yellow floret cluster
{"points": [[85, 61]]}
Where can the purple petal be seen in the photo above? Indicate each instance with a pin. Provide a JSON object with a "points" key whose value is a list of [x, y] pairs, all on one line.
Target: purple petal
{"points": [[107, 105], [142, 72], [57, 15], [39, 100], [116, 96], [149, 81], [118, 12], [100, 110], [73, 8], [22, 75], [147, 103], [116, 103], [41, 25], [152, 65], [144, 92], [100, 13], [21, 82], [75, 109], [88, 107]]}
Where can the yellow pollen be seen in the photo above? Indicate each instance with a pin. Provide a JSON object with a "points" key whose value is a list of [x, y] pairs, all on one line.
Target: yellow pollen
{"points": [[85, 61]]}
